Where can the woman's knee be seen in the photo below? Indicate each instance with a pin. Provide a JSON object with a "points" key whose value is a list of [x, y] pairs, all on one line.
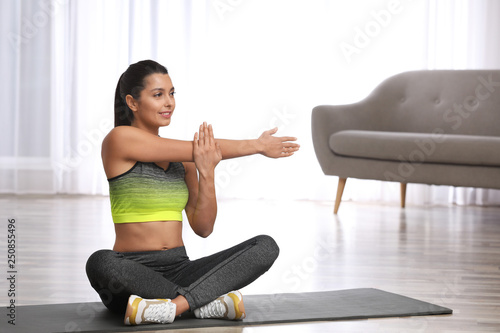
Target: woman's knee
{"points": [[269, 247], [104, 268], [100, 255], [106, 278], [99, 260]]}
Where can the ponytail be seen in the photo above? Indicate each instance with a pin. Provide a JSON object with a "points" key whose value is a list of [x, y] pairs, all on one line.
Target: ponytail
{"points": [[132, 82], [123, 114]]}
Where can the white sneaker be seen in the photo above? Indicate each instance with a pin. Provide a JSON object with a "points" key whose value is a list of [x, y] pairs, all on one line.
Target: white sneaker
{"points": [[229, 306], [149, 311]]}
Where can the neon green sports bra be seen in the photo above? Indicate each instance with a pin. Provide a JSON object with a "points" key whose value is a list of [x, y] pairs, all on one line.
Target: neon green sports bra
{"points": [[147, 193]]}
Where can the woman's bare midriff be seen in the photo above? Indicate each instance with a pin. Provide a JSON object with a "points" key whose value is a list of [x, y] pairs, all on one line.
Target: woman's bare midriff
{"points": [[148, 236]]}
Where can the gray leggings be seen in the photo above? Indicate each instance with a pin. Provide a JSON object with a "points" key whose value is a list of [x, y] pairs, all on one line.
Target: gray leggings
{"points": [[170, 273]]}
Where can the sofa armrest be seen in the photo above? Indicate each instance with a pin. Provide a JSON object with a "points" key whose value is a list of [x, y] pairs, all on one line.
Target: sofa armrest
{"points": [[329, 119]]}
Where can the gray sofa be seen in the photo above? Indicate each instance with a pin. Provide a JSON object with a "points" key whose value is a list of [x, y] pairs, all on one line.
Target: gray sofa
{"points": [[437, 127]]}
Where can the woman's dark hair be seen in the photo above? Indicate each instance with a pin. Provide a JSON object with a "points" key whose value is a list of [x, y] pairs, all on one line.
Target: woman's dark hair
{"points": [[132, 83]]}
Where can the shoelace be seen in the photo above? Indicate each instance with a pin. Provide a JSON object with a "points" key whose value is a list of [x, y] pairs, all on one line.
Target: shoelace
{"points": [[214, 309], [158, 312]]}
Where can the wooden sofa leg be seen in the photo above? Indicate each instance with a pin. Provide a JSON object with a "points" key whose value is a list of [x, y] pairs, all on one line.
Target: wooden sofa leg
{"points": [[403, 195], [340, 190]]}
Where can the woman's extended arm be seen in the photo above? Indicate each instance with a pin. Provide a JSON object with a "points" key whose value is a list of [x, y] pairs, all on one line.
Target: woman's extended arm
{"points": [[267, 145], [130, 143]]}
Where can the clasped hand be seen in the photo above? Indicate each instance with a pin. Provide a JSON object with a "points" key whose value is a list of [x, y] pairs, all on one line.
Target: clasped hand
{"points": [[206, 151]]}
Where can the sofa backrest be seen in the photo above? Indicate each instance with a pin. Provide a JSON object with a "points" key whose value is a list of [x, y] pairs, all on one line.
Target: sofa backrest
{"points": [[444, 101]]}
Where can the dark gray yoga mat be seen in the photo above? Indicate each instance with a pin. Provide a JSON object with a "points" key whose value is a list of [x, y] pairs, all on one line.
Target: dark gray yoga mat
{"points": [[348, 304]]}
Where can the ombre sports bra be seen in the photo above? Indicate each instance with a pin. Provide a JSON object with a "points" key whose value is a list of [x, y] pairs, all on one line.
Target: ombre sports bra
{"points": [[148, 193]]}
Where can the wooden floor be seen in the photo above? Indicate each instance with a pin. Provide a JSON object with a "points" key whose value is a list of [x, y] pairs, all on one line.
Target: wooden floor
{"points": [[449, 256]]}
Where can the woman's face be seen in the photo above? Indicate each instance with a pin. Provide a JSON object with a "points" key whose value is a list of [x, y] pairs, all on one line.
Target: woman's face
{"points": [[156, 105]]}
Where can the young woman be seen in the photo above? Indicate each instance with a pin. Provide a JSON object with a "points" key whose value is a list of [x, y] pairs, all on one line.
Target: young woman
{"points": [[148, 276]]}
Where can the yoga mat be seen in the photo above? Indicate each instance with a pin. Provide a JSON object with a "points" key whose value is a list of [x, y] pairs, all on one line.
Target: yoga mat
{"points": [[347, 304]]}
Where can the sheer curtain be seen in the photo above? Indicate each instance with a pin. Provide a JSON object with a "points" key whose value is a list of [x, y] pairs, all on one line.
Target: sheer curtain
{"points": [[462, 38], [244, 66]]}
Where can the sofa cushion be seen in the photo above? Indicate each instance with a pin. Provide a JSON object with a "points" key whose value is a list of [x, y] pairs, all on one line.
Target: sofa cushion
{"points": [[418, 147]]}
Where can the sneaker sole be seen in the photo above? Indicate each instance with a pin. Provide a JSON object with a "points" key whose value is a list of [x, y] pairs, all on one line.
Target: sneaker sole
{"points": [[239, 307], [132, 308]]}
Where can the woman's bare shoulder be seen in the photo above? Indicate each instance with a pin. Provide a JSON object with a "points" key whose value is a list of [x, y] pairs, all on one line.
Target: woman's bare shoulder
{"points": [[131, 143], [112, 152], [122, 132], [121, 136]]}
